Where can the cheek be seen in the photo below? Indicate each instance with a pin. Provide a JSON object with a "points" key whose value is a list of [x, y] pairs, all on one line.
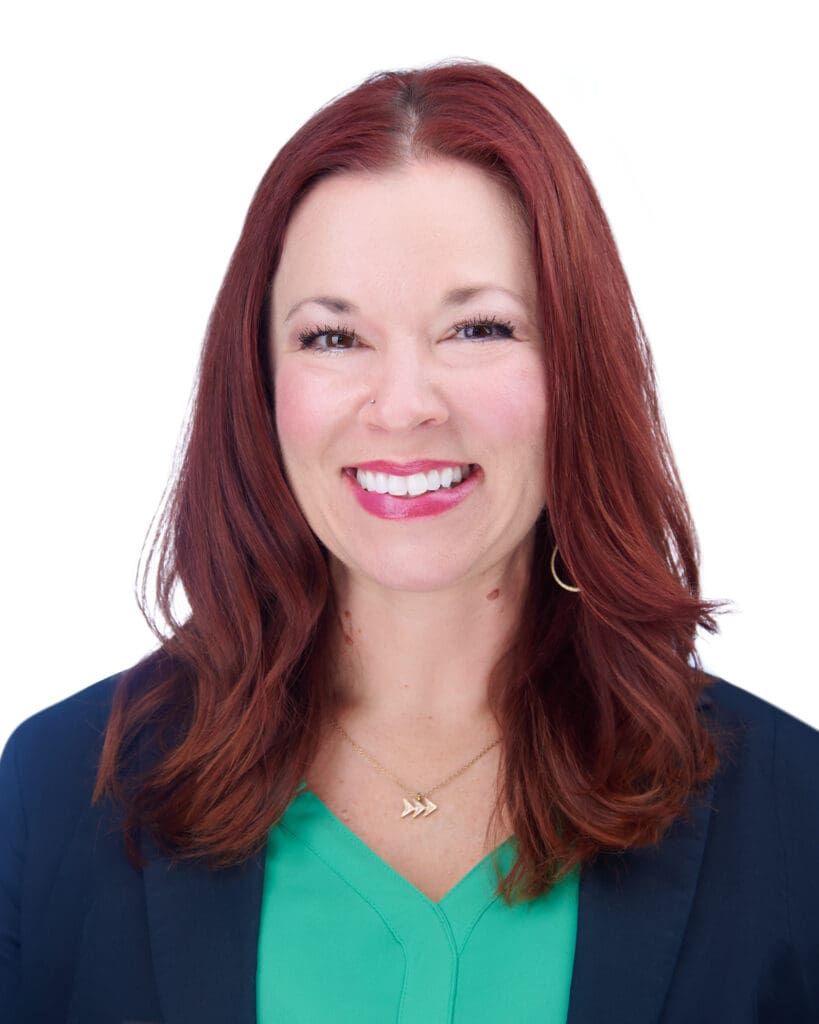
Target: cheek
{"points": [[299, 419], [301, 433], [289, 413], [512, 408]]}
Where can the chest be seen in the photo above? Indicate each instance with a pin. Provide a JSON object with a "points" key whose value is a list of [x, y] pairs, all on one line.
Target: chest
{"points": [[433, 851], [344, 936]]}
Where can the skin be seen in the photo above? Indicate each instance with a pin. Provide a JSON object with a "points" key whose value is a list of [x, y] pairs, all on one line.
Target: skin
{"points": [[428, 603]]}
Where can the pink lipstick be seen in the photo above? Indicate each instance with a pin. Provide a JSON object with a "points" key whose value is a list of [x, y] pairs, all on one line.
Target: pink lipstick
{"points": [[431, 503], [405, 468]]}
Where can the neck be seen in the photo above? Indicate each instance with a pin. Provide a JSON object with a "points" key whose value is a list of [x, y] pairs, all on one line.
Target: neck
{"points": [[406, 659]]}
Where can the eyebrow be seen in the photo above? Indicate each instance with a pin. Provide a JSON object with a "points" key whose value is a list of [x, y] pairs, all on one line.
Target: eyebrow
{"points": [[454, 297]]}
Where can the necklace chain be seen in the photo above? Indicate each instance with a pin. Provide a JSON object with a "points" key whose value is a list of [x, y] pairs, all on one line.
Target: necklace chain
{"points": [[419, 801]]}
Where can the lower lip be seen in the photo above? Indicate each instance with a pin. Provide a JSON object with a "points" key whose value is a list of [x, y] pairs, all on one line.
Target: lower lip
{"points": [[433, 503]]}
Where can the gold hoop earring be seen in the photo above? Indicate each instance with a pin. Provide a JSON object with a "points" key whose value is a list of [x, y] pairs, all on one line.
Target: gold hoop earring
{"points": [[557, 579]]}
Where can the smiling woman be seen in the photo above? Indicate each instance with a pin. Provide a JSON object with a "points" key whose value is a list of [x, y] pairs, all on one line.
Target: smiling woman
{"points": [[433, 743]]}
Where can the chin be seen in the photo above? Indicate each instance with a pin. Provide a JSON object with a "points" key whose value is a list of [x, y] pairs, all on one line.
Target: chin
{"points": [[416, 574]]}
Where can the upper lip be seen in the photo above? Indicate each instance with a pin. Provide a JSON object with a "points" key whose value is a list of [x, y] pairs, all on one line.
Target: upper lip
{"points": [[405, 468]]}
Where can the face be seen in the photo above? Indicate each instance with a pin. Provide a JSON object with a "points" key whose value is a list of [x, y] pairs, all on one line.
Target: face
{"points": [[416, 288]]}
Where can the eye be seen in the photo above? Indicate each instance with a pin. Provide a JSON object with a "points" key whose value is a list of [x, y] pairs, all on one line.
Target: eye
{"points": [[334, 338], [485, 328]]}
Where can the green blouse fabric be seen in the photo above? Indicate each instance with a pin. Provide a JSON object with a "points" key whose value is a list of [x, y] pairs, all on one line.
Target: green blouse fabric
{"points": [[345, 938]]}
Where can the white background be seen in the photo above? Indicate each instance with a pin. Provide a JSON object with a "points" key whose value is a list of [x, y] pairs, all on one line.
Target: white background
{"points": [[134, 137]]}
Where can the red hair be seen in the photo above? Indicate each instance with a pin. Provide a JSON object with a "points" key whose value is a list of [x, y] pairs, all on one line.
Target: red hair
{"points": [[600, 688]]}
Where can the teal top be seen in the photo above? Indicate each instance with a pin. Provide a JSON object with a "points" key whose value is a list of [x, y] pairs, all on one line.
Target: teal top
{"points": [[345, 938]]}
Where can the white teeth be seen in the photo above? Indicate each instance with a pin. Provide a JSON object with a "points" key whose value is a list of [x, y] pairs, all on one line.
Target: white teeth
{"points": [[416, 484], [413, 485]]}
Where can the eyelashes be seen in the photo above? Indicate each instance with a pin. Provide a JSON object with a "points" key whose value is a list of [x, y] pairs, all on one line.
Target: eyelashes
{"points": [[504, 328], [334, 333], [308, 338]]}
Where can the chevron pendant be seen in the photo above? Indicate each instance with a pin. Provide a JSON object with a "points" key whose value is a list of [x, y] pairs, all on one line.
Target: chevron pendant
{"points": [[419, 804]]}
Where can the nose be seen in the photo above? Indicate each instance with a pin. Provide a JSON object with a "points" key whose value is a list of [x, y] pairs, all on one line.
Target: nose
{"points": [[407, 390]]}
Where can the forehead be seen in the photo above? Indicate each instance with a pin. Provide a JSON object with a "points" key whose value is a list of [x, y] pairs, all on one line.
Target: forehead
{"points": [[401, 230]]}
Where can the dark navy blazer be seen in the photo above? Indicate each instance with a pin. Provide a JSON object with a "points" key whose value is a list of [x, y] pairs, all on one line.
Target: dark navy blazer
{"points": [[717, 924]]}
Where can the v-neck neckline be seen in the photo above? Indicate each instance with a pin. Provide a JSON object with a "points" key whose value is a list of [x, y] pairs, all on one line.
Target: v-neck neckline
{"points": [[387, 944], [478, 884]]}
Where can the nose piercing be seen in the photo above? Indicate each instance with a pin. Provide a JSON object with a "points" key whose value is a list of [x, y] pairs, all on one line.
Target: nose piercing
{"points": [[372, 401]]}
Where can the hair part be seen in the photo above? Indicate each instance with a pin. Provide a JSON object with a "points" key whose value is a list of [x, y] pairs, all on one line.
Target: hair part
{"points": [[599, 689]]}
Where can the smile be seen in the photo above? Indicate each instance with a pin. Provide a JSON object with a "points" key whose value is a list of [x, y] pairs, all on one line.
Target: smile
{"points": [[414, 496], [414, 485]]}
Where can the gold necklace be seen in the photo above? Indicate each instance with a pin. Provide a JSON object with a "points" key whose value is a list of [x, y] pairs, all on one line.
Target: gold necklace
{"points": [[419, 802]]}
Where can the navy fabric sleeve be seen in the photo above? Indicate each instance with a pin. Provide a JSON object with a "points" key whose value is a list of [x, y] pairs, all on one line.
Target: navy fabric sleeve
{"points": [[796, 767], [49, 837], [12, 843]]}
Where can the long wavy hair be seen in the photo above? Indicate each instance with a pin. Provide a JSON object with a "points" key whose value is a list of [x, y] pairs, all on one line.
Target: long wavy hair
{"points": [[599, 690]]}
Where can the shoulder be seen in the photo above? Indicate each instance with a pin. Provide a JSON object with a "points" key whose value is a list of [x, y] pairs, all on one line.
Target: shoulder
{"points": [[781, 751], [732, 701], [759, 728], [765, 807], [72, 723], [768, 758], [763, 836], [51, 758], [53, 840]]}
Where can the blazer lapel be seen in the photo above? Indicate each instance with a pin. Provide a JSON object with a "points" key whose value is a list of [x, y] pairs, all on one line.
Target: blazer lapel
{"points": [[204, 932], [632, 915], [204, 929]]}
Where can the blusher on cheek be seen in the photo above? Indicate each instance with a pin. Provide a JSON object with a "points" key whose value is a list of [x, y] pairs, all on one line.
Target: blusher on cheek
{"points": [[296, 415], [296, 427], [513, 410]]}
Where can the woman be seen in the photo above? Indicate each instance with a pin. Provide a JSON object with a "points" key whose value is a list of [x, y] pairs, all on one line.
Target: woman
{"points": [[433, 743]]}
